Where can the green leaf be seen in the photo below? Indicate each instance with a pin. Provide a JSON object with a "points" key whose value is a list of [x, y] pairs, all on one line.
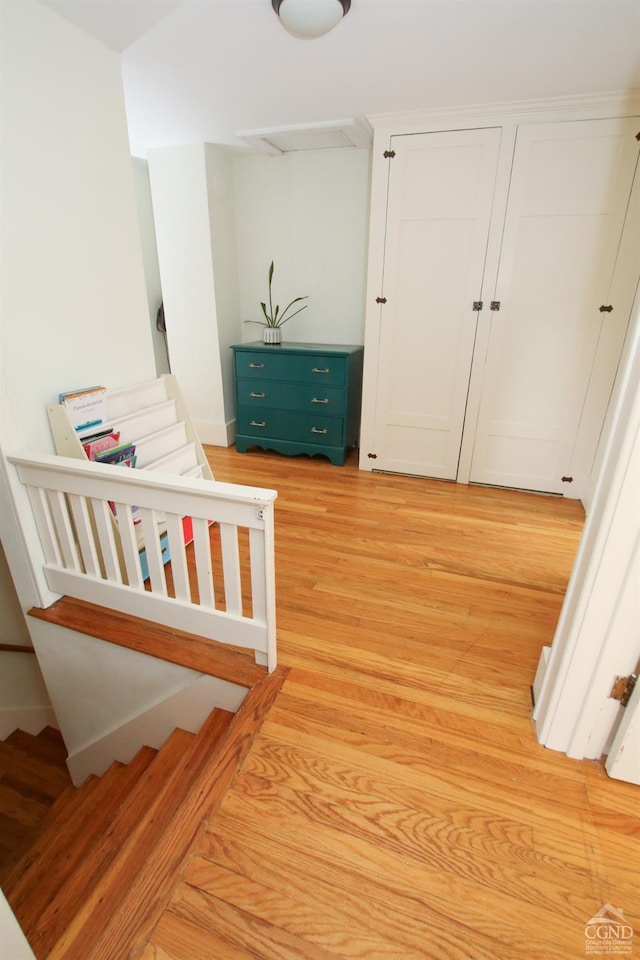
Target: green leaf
{"points": [[289, 305], [282, 320], [270, 317], [274, 318]]}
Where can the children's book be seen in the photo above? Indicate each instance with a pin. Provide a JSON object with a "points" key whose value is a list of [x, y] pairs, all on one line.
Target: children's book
{"points": [[124, 451], [85, 408], [94, 447]]}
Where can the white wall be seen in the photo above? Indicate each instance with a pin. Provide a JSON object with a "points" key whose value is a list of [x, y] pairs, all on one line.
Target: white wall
{"points": [[222, 215], [308, 212], [110, 701], [24, 700], [13, 628], [220, 163], [142, 189], [14, 944], [184, 229], [74, 307], [24, 697]]}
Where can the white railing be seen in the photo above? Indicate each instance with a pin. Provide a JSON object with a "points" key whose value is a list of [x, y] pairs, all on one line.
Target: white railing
{"points": [[102, 527]]}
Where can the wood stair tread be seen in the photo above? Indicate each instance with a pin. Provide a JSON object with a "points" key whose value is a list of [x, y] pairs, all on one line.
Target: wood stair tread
{"points": [[53, 735], [154, 639], [45, 747], [116, 842], [38, 778], [69, 837], [173, 774], [111, 855], [33, 776], [144, 899], [180, 769], [101, 878], [26, 811]]}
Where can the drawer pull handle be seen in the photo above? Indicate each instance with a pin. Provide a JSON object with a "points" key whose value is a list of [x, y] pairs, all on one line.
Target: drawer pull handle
{"points": [[256, 366], [317, 430], [257, 396], [318, 370], [320, 400], [256, 423]]}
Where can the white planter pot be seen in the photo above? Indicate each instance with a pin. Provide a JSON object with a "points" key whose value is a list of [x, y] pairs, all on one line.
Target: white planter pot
{"points": [[272, 335]]}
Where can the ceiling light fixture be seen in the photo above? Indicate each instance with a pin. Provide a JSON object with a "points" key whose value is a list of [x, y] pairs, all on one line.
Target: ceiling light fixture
{"points": [[310, 18]]}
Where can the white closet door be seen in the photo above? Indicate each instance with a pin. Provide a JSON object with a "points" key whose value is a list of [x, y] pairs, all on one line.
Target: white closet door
{"points": [[439, 211], [567, 204]]}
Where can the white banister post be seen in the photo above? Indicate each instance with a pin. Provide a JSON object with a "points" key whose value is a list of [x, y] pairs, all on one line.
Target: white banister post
{"points": [[270, 585]]}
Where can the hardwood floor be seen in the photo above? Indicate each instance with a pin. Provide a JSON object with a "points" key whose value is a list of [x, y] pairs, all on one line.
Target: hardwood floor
{"points": [[395, 803]]}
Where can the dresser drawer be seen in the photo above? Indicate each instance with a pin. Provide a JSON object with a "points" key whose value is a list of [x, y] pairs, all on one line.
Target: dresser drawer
{"points": [[290, 425], [313, 398], [298, 398], [300, 368]]}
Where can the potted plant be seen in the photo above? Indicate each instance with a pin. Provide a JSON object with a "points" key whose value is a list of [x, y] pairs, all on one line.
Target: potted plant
{"points": [[274, 318]]}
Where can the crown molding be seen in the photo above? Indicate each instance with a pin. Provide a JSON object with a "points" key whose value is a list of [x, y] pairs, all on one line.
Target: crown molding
{"points": [[580, 106]]}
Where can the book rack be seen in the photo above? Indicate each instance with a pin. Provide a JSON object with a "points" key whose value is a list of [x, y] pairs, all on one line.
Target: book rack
{"points": [[152, 416]]}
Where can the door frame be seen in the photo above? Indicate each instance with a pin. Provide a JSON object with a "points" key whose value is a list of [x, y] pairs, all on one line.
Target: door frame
{"points": [[574, 713]]}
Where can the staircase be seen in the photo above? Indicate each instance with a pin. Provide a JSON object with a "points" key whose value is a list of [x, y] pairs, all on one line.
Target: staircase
{"points": [[103, 855], [33, 776]]}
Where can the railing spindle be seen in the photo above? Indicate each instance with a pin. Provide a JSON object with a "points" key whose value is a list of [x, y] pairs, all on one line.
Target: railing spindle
{"points": [[231, 568], [204, 563], [85, 513], [46, 525], [106, 540], [82, 523], [60, 514], [153, 550], [179, 570], [129, 545]]}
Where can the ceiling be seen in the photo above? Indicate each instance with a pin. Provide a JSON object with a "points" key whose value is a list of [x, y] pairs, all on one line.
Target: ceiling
{"points": [[200, 70]]}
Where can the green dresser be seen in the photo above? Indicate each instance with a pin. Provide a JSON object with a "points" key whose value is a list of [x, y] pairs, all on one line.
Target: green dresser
{"points": [[298, 397]]}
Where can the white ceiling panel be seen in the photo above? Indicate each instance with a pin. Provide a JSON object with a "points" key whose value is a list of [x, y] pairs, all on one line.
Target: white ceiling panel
{"points": [[199, 70]]}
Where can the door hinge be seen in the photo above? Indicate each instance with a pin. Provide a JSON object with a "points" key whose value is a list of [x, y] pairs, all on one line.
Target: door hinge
{"points": [[381, 299], [622, 688], [389, 154], [495, 305], [372, 456], [477, 304], [605, 308]]}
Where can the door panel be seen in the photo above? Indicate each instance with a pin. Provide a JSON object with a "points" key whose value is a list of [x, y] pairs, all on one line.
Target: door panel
{"points": [[439, 212], [567, 204]]}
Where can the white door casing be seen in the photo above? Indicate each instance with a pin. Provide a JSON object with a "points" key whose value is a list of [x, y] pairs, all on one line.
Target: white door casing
{"points": [[597, 637]]}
